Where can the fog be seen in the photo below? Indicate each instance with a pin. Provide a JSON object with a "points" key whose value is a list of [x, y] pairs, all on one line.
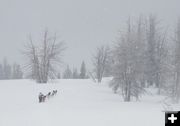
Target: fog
{"points": [[82, 24]]}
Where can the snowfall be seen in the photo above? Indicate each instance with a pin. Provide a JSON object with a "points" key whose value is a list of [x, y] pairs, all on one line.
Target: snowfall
{"points": [[77, 103]]}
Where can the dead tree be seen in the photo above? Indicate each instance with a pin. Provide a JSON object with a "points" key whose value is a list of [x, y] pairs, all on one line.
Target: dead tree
{"points": [[42, 60], [100, 62]]}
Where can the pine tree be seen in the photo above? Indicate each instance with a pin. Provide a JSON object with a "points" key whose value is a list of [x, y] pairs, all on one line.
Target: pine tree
{"points": [[59, 75], [83, 71], [6, 70], [17, 72], [75, 74], [67, 73], [1, 72]]}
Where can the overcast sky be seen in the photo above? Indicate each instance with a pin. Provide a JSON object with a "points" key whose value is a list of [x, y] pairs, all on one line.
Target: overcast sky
{"points": [[82, 24]]}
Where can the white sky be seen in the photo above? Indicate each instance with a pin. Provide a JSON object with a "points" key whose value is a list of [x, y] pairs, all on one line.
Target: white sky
{"points": [[82, 24]]}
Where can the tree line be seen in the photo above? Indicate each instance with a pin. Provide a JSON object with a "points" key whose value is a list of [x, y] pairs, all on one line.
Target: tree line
{"points": [[75, 74], [8, 71]]}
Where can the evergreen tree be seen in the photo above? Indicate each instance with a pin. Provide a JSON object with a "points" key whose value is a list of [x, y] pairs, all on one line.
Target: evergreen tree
{"points": [[17, 72], [6, 70], [75, 74], [67, 73], [59, 75], [1, 72], [83, 71]]}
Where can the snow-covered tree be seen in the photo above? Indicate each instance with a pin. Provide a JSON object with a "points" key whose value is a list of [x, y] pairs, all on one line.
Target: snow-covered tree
{"points": [[128, 64], [109, 65]]}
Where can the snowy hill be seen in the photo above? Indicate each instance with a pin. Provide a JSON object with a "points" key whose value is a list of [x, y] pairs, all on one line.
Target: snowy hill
{"points": [[78, 103]]}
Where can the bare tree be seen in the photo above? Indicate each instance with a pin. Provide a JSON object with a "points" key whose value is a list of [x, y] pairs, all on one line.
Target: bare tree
{"points": [[100, 61], [151, 63], [161, 62], [43, 59], [156, 61], [91, 76], [177, 64]]}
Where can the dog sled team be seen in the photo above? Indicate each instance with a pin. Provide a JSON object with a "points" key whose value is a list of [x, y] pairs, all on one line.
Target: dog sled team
{"points": [[42, 97]]}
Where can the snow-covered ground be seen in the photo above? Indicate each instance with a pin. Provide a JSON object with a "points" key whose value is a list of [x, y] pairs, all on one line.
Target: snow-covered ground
{"points": [[78, 103]]}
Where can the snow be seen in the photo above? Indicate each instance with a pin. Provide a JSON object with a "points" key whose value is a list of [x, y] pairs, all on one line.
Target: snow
{"points": [[78, 103]]}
